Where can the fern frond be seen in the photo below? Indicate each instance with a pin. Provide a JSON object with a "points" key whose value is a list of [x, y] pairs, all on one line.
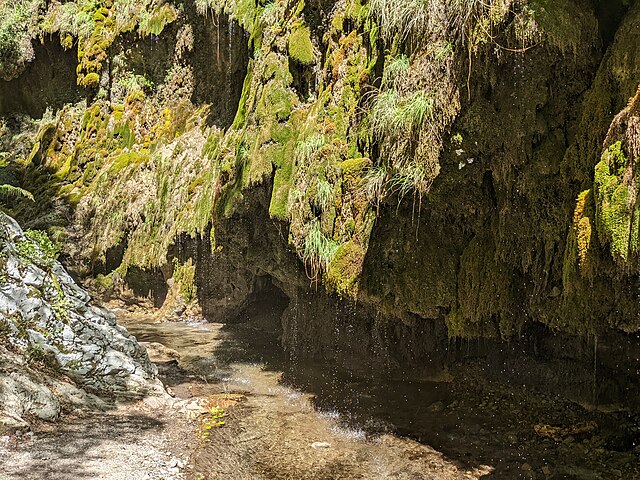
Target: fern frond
{"points": [[12, 192]]}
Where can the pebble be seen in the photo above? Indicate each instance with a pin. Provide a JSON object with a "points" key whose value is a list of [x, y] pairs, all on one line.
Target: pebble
{"points": [[320, 445]]}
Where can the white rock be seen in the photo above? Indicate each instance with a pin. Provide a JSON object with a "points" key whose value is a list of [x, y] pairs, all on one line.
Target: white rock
{"points": [[83, 340], [320, 445]]}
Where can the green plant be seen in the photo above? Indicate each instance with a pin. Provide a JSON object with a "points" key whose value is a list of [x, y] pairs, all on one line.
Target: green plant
{"points": [[395, 72], [269, 13], [213, 420], [37, 356], [38, 248], [396, 116], [413, 177], [402, 18], [318, 250], [11, 191], [152, 23], [133, 82], [184, 275], [310, 145], [18, 24], [374, 184], [324, 195]]}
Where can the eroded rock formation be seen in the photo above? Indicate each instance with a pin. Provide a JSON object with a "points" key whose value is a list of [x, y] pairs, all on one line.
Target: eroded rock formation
{"points": [[56, 348]]}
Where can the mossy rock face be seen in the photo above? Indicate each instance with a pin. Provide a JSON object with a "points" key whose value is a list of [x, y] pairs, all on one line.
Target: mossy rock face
{"points": [[345, 268], [282, 183], [148, 168], [354, 168], [580, 248], [613, 208], [300, 46]]}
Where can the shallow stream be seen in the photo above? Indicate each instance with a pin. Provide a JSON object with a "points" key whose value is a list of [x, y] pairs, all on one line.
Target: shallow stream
{"points": [[301, 420]]}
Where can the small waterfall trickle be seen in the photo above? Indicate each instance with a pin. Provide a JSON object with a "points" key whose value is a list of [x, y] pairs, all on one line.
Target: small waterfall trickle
{"points": [[230, 33], [594, 380]]}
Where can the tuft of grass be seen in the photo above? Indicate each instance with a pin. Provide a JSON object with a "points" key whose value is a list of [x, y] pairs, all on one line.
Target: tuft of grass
{"points": [[396, 116], [375, 183], [318, 250], [403, 18], [414, 110], [415, 177], [324, 195], [395, 72]]}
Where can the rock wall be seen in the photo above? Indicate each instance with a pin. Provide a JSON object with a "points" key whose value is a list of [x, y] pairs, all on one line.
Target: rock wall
{"points": [[56, 347], [418, 179]]}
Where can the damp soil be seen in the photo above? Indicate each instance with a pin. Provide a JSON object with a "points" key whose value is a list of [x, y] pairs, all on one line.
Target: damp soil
{"points": [[288, 419]]}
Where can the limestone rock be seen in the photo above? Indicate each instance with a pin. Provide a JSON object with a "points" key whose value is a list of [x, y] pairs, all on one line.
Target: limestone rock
{"points": [[50, 330]]}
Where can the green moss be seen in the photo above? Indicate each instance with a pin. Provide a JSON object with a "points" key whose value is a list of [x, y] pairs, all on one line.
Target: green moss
{"points": [[126, 159], [241, 113], [90, 80], [300, 46], [184, 278], [583, 227], [345, 269], [64, 170], [104, 282], [125, 134], [160, 17], [613, 212], [283, 158], [276, 103], [353, 168], [563, 21]]}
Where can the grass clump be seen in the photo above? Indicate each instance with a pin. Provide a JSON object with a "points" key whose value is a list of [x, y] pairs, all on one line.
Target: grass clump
{"points": [[375, 184], [318, 250], [395, 72], [394, 116], [324, 195], [401, 18]]}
